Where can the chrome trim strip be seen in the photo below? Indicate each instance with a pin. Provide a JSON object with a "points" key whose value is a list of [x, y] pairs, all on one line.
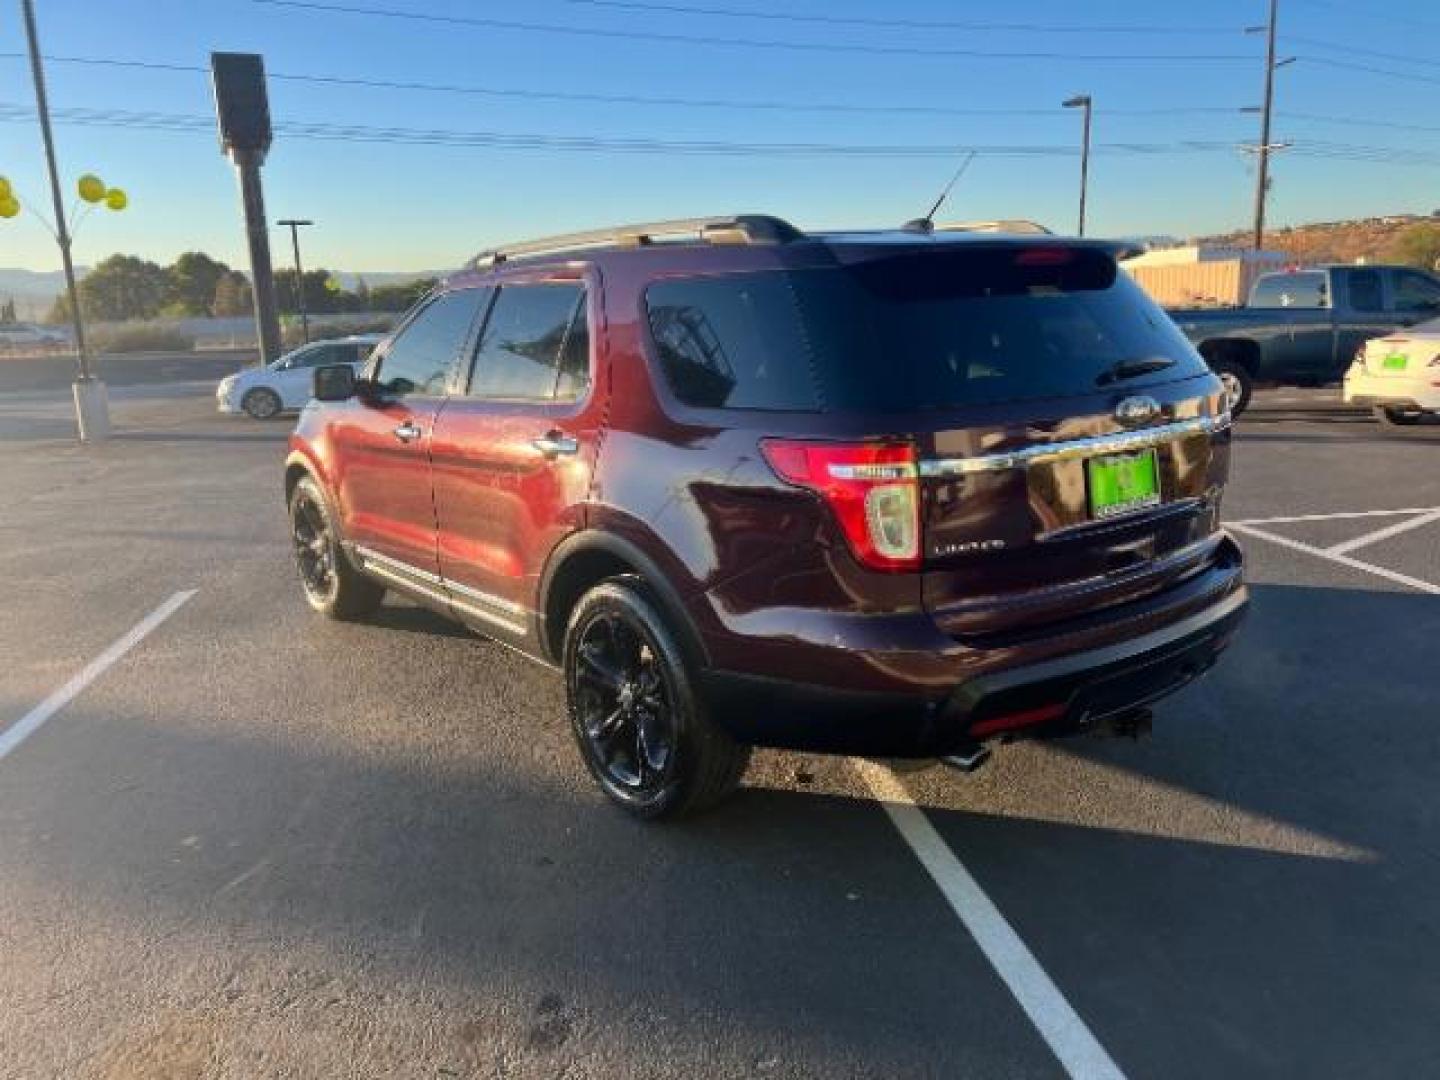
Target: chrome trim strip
{"points": [[445, 590], [368, 556], [487, 599], [1116, 443]]}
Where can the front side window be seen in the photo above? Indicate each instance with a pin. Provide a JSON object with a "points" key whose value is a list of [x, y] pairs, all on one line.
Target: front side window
{"points": [[1416, 292], [420, 357], [534, 346]]}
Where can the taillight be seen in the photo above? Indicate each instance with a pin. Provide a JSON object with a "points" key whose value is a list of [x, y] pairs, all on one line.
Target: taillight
{"points": [[872, 488]]}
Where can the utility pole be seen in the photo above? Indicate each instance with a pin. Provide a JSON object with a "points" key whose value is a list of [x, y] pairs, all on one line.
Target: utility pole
{"points": [[1262, 170], [92, 408], [295, 224], [1086, 102]]}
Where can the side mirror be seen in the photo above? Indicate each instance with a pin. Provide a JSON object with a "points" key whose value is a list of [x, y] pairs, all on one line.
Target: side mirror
{"points": [[335, 382]]}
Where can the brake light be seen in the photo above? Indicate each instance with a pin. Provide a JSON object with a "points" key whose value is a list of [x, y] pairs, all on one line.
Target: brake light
{"points": [[1045, 256], [873, 489]]}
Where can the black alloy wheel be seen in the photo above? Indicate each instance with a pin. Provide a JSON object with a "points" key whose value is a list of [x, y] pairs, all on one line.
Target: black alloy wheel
{"points": [[643, 732]]}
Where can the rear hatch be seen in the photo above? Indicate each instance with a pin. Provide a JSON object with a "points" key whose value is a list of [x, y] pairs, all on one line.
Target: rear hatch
{"points": [[1068, 437]]}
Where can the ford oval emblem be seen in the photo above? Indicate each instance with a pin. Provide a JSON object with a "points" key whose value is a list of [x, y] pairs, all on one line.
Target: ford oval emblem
{"points": [[1134, 411]]}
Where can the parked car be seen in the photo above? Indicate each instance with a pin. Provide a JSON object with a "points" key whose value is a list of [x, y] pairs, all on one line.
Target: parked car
{"points": [[885, 493], [1302, 327], [284, 385], [15, 336], [1398, 376]]}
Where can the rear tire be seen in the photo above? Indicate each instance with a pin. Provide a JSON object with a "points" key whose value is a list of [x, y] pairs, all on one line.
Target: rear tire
{"points": [[261, 404], [1238, 384], [330, 581], [1392, 418], [641, 728]]}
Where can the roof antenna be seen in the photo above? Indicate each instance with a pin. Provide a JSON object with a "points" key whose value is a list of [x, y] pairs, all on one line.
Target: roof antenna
{"points": [[926, 224]]}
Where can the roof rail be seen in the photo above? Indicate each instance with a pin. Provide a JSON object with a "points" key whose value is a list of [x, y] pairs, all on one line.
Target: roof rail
{"points": [[736, 229], [1017, 226]]}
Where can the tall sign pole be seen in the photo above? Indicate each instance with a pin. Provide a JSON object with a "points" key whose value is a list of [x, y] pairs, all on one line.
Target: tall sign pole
{"points": [[92, 410], [243, 110]]}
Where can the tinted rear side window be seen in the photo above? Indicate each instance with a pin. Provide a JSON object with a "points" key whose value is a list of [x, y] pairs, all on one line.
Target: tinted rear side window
{"points": [[733, 342], [914, 331]]}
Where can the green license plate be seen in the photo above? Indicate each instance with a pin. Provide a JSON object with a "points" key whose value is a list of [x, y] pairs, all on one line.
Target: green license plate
{"points": [[1120, 483], [1396, 362]]}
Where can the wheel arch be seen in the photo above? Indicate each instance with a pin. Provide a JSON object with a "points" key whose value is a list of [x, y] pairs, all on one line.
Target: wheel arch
{"points": [[585, 559], [1241, 351]]}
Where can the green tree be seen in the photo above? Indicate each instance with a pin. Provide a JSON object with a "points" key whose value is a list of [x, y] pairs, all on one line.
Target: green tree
{"points": [[232, 295], [194, 277], [122, 287], [399, 297], [1419, 245]]}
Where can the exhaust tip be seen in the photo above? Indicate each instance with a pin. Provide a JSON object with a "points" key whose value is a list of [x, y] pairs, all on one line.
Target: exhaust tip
{"points": [[968, 759]]}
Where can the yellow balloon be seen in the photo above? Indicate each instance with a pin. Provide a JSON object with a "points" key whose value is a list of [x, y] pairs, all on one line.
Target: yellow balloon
{"points": [[91, 187], [5, 189], [9, 206], [116, 199]]}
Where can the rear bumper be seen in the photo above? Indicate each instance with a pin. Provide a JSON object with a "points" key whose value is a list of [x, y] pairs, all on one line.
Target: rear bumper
{"points": [[1071, 692]]}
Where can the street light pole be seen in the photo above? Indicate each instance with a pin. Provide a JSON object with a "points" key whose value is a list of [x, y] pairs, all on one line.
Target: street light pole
{"points": [[1086, 102], [295, 224], [92, 410]]}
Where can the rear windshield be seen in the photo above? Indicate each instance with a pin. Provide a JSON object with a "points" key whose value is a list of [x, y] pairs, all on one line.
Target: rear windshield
{"points": [[915, 331]]}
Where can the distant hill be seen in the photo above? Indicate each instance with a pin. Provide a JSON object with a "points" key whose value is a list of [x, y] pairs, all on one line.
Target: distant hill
{"points": [[1372, 239]]}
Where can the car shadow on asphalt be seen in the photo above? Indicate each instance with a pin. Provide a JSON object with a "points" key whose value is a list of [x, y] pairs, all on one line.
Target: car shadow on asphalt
{"points": [[483, 872]]}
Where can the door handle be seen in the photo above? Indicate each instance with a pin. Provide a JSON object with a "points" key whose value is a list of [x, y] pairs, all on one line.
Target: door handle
{"points": [[408, 431], [554, 443]]}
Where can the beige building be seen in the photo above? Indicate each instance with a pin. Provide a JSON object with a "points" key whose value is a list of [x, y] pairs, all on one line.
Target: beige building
{"points": [[1202, 276]]}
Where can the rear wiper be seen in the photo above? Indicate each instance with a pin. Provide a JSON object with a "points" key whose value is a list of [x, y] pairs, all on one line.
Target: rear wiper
{"points": [[1129, 369]]}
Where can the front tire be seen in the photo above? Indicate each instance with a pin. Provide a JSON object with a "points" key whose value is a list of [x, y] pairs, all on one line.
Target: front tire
{"points": [[261, 404], [331, 583], [641, 728]]}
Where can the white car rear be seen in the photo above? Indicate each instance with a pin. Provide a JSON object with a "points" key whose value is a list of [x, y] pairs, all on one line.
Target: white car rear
{"points": [[285, 385], [1398, 375]]}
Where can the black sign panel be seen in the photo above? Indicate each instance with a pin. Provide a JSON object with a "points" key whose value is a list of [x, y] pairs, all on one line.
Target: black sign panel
{"points": [[241, 104]]}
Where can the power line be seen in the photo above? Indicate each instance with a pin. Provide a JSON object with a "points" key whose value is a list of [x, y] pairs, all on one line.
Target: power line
{"points": [[191, 123], [1354, 50], [160, 121], [896, 24], [1387, 17], [631, 99], [1357, 121], [1346, 65], [737, 42]]}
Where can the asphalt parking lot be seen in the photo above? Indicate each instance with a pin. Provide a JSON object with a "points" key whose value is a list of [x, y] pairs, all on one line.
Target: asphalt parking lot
{"points": [[248, 842]]}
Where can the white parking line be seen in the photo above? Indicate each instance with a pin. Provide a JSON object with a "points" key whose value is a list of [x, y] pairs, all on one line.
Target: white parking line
{"points": [[1344, 560], [1343, 516], [1079, 1052], [1382, 534], [28, 724]]}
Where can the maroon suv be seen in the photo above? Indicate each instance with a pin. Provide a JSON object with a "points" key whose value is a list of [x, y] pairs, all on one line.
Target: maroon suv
{"points": [[881, 493]]}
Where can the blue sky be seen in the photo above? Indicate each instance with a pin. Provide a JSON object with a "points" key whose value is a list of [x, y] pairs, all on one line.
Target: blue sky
{"points": [[398, 207]]}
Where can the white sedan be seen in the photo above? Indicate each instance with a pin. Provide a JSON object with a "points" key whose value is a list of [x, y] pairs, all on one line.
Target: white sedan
{"points": [[1398, 375], [285, 385]]}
